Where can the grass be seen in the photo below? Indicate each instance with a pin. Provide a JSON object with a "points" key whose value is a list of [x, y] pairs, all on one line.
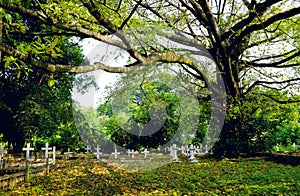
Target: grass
{"points": [[207, 177]]}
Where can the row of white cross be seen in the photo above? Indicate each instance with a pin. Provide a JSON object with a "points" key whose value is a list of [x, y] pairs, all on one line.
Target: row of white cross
{"points": [[116, 153], [28, 149], [186, 150], [46, 149]]}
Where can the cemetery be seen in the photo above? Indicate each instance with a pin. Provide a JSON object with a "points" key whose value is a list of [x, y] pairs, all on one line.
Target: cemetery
{"points": [[139, 97], [27, 173]]}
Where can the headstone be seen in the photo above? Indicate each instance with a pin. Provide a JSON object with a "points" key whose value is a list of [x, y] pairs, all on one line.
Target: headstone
{"points": [[174, 152], [28, 149], [68, 154], [87, 149], [47, 148], [192, 157], [128, 152], [145, 152], [115, 153], [97, 153], [132, 153]]}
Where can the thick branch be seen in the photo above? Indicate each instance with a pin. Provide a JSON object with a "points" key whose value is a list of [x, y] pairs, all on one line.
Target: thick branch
{"points": [[58, 67], [94, 10], [68, 27], [213, 26], [258, 10], [278, 100], [248, 30], [153, 58], [258, 82], [277, 64]]}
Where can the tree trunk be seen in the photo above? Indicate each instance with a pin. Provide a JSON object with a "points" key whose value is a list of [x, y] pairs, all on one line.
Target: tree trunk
{"points": [[233, 140]]}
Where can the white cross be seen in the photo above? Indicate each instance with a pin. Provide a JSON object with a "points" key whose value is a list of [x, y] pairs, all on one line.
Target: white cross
{"points": [[128, 152], [132, 153], [115, 153], [174, 152], [192, 157], [145, 152], [87, 149], [28, 149], [47, 148], [97, 153], [2, 151]]}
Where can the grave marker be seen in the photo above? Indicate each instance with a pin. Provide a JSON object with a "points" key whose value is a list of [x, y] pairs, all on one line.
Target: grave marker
{"points": [[115, 153], [87, 149], [145, 152], [97, 153], [193, 158], [28, 149], [174, 152], [132, 153], [47, 148], [128, 152]]}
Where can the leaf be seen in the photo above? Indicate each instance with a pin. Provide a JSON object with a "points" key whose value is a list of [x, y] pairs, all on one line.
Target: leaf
{"points": [[18, 73], [51, 83], [8, 61]]}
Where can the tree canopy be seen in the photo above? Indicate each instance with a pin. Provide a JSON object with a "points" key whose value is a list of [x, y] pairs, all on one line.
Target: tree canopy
{"points": [[254, 43]]}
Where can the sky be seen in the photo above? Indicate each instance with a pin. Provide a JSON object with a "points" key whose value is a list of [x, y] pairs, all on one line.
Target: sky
{"points": [[96, 51]]}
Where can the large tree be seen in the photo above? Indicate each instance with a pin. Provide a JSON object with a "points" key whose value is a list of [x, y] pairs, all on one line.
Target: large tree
{"points": [[254, 43]]}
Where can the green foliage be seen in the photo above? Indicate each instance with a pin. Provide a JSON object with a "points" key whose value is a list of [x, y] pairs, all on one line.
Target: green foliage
{"points": [[90, 126], [136, 115], [37, 103]]}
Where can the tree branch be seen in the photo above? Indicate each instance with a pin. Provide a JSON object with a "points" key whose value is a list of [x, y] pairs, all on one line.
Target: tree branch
{"points": [[276, 64], [27, 58], [213, 26], [130, 15], [68, 27], [258, 82], [94, 11], [260, 26], [278, 100], [259, 9]]}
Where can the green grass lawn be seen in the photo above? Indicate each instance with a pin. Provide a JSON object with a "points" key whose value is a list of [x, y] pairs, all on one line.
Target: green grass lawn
{"points": [[208, 177]]}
